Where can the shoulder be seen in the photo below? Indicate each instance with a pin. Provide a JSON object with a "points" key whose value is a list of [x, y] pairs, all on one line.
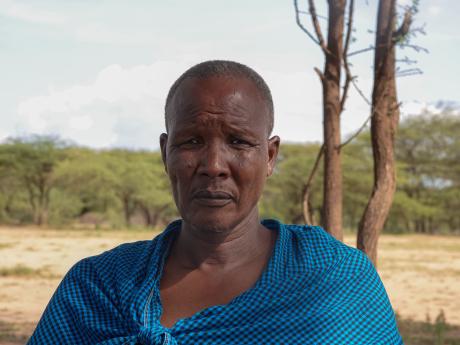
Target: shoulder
{"points": [[134, 255], [114, 275], [127, 263], [317, 251], [346, 287], [96, 292], [121, 258]]}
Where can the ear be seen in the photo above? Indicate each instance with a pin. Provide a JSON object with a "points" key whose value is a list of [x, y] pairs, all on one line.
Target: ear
{"points": [[163, 146], [273, 148]]}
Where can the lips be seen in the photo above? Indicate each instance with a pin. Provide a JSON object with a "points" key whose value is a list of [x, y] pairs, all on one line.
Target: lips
{"points": [[212, 198]]}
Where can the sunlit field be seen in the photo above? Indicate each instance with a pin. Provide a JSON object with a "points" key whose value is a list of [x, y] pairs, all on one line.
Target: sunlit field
{"points": [[421, 274]]}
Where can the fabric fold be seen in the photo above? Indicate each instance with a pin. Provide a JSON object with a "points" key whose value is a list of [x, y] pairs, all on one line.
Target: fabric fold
{"points": [[155, 336]]}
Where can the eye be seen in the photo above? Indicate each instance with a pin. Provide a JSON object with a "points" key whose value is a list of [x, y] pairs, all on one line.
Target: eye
{"points": [[237, 141], [240, 142], [190, 143]]}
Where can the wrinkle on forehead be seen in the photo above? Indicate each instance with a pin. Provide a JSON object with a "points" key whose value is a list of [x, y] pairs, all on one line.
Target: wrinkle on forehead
{"points": [[216, 121], [239, 102]]}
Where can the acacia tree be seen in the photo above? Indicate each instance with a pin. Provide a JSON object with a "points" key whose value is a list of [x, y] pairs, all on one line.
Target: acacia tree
{"points": [[154, 199], [384, 123], [31, 163], [335, 51]]}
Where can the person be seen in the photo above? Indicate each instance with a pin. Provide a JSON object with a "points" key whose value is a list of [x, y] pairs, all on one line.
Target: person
{"points": [[220, 275]]}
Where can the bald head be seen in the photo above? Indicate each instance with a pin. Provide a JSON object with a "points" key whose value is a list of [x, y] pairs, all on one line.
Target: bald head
{"points": [[223, 69]]}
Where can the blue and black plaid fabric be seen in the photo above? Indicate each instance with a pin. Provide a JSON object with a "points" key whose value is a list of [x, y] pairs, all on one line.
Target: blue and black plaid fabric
{"points": [[315, 290]]}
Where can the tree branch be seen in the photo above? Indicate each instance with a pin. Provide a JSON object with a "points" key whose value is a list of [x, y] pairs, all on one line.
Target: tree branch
{"points": [[403, 30], [364, 125], [348, 76], [409, 72], [316, 26], [360, 92], [364, 50], [318, 15], [306, 190], [349, 27], [301, 26], [407, 61], [319, 73], [415, 47]]}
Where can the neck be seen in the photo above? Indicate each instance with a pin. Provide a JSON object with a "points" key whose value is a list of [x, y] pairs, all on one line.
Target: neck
{"points": [[196, 249]]}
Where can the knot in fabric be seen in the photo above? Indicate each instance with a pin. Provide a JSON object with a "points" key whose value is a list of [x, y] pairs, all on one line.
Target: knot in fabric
{"points": [[155, 336]]}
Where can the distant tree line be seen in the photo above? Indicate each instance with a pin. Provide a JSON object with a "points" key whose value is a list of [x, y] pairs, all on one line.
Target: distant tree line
{"points": [[46, 181]]}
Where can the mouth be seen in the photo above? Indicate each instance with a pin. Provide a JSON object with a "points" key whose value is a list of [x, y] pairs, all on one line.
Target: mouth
{"points": [[212, 198]]}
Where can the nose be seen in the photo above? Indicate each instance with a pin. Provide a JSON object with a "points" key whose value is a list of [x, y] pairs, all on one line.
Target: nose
{"points": [[214, 161]]}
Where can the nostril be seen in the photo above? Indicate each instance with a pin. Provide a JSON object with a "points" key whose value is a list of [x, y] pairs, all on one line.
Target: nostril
{"points": [[214, 164]]}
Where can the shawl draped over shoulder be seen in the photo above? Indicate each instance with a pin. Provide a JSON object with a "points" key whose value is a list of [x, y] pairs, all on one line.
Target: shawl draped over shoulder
{"points": [[314, 290]]}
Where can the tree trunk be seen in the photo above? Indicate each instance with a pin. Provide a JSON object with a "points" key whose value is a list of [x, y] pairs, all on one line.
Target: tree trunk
{"points": [[307, 210], [146, 213], [42, 202], [332, 192], [384, 122], [127, 210]]}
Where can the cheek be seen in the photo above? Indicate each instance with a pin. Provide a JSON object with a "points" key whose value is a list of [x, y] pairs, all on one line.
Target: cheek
{"points": [[180, 168], [251, 172]]}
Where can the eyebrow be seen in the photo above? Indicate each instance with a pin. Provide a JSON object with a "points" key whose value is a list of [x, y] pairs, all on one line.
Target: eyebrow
{"points": [[244, 129]]}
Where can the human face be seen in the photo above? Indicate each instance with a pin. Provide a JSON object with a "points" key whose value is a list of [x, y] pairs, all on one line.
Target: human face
{"points": [[217, 152]]}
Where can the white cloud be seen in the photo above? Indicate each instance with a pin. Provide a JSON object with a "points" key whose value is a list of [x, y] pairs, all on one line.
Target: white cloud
{"points": [[124, 106], [419, 107], [121, 107], [30, 13]]}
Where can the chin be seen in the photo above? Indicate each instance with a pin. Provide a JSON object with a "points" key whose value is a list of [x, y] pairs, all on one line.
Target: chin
{"points": [[216, 220], [217, 223], [210, 223], [213, 221]]}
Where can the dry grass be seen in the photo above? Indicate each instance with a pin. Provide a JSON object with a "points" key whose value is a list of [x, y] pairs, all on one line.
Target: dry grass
{"points": [[420, 273], [22, 271], [19, 271], [6, 245]]}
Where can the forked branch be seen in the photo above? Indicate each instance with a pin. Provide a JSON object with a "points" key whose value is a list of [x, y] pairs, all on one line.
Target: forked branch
{"points": [[403, 30], [316, 26], [348, 76], [300, 25]]}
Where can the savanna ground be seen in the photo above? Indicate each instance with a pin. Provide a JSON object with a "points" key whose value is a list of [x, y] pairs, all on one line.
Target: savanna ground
{"points": [[421, 274]]}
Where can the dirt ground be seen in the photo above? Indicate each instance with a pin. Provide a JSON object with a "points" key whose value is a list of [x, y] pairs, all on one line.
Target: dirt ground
{"points": [[421, 273]]}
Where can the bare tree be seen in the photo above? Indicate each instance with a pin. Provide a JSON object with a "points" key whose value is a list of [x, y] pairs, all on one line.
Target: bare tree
{"points": [[335, 50], [384, 123]]}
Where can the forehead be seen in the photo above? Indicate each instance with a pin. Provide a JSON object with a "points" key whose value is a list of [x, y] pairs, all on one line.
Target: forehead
{"points": [[229, 99]]}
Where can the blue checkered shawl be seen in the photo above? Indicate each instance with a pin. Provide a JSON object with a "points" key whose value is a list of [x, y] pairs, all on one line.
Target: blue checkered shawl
{"points": [[315, 290]]}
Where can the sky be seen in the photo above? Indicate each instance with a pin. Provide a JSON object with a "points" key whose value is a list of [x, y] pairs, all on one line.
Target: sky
{"points": [[96, 72]]}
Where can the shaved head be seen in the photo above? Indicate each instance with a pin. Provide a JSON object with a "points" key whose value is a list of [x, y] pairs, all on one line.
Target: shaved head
{"points": [[228, 69]]}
